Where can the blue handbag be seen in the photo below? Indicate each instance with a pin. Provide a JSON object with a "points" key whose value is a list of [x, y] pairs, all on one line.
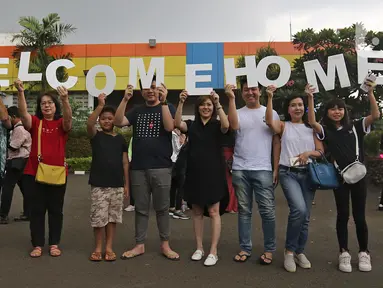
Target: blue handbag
{"points": [[323, 174]]}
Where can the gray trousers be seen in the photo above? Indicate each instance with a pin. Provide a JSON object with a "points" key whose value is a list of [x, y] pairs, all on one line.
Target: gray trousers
{"points": [[155, 182]]}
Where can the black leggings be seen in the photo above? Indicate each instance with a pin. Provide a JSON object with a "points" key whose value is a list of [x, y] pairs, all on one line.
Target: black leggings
{"points": [[358, 199], [176, 189], [45, 198]]}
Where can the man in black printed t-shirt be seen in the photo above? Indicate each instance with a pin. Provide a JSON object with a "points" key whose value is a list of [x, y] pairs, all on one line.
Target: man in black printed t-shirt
{"points": [[151, 164]]}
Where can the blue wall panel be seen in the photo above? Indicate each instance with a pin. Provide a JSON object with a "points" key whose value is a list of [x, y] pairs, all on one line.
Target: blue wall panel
{"points": [[205, 53]]}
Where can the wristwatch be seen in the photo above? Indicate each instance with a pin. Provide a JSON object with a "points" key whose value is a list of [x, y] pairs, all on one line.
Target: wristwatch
{"points": [[164, 102]]}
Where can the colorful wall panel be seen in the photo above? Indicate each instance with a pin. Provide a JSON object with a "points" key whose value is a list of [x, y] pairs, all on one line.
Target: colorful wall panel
{"points": [[177, 55]]}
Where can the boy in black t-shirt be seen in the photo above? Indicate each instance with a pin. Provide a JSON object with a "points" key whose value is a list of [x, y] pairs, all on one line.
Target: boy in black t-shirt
{"points": [[109, 178]]}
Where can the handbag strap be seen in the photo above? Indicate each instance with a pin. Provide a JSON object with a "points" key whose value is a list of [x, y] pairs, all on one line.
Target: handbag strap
{"points": [[357, 143], [356, 147], [323, 156], [39, 141]]}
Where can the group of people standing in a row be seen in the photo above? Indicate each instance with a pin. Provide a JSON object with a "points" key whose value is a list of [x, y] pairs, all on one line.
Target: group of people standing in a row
{"points": [[267, 151]]}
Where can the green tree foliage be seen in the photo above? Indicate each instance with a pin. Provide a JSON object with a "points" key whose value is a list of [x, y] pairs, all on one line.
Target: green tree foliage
{"points": [[37, 37]]}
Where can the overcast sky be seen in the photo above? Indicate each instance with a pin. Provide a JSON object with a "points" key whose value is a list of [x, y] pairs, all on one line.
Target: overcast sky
{"points": [[135, 21]]}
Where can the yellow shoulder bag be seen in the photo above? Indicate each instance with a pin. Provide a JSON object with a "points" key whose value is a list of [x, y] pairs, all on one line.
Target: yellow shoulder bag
{"points": [[48, 174]]}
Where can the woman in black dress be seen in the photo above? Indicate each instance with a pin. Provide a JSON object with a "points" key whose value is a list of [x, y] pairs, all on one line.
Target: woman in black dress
{"points": [[205, 183]]}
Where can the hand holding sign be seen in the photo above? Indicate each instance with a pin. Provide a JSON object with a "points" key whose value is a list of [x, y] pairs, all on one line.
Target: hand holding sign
{"points": [[19, 85], [101, 99], [309, 90], [183, 96], [63, 93], [369, 83], [163, 92], [270, 91], [215, 98], [229, 91], [128, 92]]}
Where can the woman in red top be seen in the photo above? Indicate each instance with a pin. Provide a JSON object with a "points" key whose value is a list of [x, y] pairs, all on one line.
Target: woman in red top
{"points": [[54, 136]]}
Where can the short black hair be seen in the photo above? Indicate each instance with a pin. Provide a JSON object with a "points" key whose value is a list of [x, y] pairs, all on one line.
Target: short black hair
{"points": [[153, 79], [243, 81], [55, 100], [108, 109], [13, 111]]}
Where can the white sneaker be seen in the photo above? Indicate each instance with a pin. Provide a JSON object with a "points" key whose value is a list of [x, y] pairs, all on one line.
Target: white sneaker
{"points": [[130, 208], [345, 262], [302, 261], [289, 263], [364, 262], [211, 260], [197, 255]]}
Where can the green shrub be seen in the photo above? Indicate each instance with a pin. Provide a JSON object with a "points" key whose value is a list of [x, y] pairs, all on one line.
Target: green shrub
{"points": [[79, 164], [78, 145], [372, 143], [375, 170]]}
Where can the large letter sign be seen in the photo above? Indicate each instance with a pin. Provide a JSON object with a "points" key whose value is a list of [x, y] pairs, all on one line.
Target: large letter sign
{"points": [[110, 76], [250, 71], [192, 78], [157, 65], [335, 63], [52, 71]]}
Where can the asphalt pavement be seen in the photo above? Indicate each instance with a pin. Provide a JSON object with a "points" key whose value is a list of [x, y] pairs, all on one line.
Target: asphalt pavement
{"points": [[73, 269]]}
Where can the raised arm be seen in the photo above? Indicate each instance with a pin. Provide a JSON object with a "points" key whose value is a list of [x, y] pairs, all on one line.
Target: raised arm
{"points": [[26, 118], [92, 120], [4, 117], [309, 90], [178, 118], [275, 125], [167, 117], [67, 110], [375, 113], [232, 113], [120, 120], [125, 161], [221, 114]]}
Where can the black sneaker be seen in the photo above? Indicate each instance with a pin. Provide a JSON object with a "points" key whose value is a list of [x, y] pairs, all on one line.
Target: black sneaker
{"points": [[180, 215], [4, 220]]}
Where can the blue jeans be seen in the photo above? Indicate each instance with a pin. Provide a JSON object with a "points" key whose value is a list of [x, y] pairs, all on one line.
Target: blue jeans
{"points": [[299, 195], [260, 184]]}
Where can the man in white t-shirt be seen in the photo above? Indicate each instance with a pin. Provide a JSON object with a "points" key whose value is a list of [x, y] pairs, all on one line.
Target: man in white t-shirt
{"points": [[252, 169]]}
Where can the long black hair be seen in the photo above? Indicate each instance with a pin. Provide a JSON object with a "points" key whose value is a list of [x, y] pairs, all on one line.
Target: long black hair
{"points": [[55, 100], [200, 101], [286, 104], [345, 121]]}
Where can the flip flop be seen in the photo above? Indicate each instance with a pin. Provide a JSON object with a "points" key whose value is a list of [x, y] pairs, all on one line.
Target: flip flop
{"points": [[110, 256], [262, 260], [170, 254], [241, 260], [36, 252], [129, 255], [95, 257], [54, 251]]}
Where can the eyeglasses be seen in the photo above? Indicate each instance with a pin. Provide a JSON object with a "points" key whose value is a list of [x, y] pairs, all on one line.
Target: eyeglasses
{"points": [[49, 103]]}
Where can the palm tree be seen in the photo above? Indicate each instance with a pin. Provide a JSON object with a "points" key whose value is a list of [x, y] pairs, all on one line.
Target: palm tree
{"points": [[37, 38]]}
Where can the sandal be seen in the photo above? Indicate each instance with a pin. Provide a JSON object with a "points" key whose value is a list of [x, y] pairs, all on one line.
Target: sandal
{"points": [[129, 255], [54, 251], [171, 255], [110, 256], [264, 260], [239, 257], [96, 257], [36, 252]]}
